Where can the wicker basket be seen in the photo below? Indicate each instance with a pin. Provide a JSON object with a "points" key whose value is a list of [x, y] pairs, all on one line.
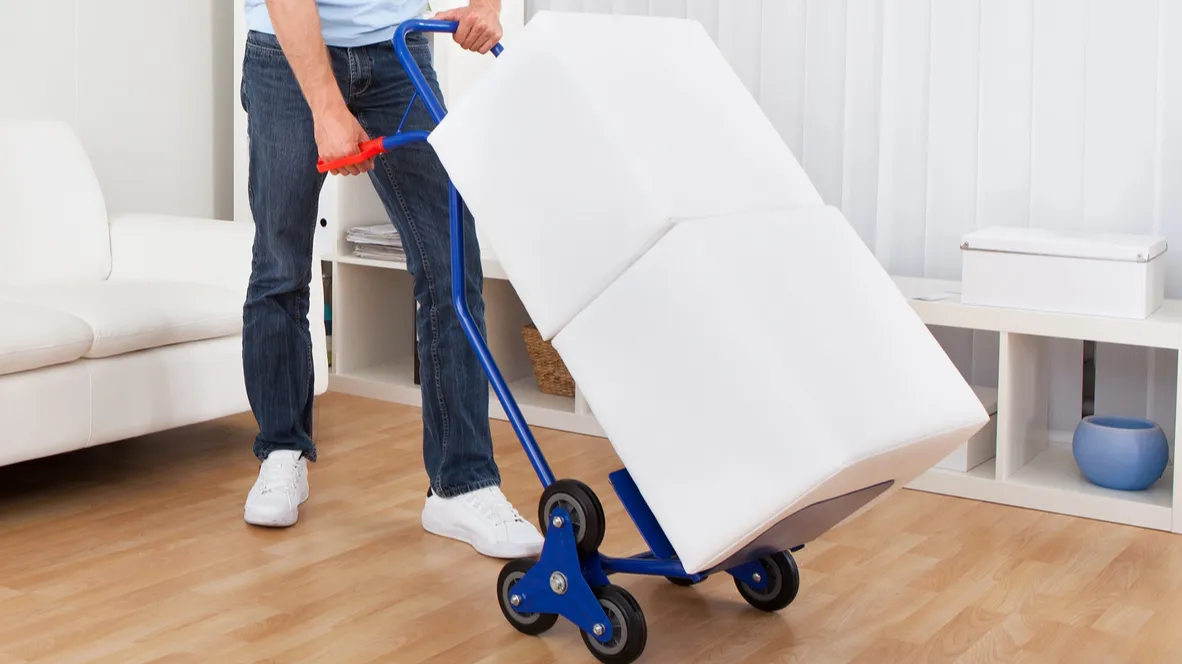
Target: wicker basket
{"points": [[549, 370]]}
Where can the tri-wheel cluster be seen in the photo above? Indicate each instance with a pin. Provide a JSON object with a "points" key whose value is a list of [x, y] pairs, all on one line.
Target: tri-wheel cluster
{"points": [[570, 578]]}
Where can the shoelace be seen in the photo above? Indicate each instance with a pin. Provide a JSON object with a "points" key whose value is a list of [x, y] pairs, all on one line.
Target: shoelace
{"points": [[494, 506], [277, 475]]}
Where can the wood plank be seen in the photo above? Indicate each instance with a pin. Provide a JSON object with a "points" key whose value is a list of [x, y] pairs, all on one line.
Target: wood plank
{"points": [[136, 552]]}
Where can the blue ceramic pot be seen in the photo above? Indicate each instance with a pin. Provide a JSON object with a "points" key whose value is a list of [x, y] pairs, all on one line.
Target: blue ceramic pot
{"points": [[1122, 453]]}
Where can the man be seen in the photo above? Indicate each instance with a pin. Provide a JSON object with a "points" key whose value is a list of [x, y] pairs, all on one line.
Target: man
{"points": [[320, 77]]}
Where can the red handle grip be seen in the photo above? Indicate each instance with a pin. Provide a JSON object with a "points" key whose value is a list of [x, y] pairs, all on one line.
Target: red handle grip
{"points": [[369, 149]]}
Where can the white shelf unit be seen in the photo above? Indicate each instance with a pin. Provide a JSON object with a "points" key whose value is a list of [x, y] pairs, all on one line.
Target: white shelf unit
{"points": [[373, 342], [1031, 469], [374, 318]]}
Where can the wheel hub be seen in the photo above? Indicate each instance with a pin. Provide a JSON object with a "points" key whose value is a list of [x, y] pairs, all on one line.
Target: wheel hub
{"points": [[558, 583]]}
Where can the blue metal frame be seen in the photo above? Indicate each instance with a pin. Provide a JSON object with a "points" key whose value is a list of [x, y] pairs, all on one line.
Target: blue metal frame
{"points": [[404, 138], [558, 582], [459, 297], [661, 559], [537, 591]]}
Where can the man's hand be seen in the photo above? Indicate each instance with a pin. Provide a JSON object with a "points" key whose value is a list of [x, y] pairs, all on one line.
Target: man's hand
{"points": [[480, 24], [338, 135]]}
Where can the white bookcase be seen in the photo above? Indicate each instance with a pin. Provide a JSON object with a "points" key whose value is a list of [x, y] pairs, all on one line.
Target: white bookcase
{"points": [[1032, 468]]}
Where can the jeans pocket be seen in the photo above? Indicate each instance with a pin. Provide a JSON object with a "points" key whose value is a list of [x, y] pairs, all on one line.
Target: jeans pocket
{"points": [[263, 43]]}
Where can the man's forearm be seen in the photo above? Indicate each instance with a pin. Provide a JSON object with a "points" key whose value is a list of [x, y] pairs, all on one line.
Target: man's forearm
{"points": [[297, 26]]}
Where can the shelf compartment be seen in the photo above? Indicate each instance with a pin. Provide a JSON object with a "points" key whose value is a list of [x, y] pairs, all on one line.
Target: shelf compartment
{"points": [[1052, 482], [374, 338], [389, 381], [491, 267], [373, 318], [394, 381], [977, 483], [546, 410], [1036, 468]]}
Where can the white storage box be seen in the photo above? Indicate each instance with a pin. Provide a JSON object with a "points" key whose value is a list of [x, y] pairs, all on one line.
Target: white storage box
{"points": [[983, 445], [1120, 276]]}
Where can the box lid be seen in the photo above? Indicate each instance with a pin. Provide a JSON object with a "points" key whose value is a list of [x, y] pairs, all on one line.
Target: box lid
{"points": [[1066, 244]]}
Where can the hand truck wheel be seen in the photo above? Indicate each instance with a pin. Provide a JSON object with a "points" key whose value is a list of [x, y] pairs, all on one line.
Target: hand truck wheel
{"points": [[526, 623], [584, 508], [629, 628], [783, 582]]}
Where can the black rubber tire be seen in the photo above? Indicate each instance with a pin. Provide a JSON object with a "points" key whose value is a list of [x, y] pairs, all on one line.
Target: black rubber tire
{"points": [[526, 623], [629, 628], [783, 577], [584, 508]]}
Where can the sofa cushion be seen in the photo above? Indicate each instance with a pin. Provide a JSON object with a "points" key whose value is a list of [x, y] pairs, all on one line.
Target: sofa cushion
{"points": [[127, 316], [53, 216], [32, 337]]}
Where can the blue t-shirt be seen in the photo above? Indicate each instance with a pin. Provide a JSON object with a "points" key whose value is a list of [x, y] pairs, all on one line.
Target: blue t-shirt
{"points": [[347, 22]]}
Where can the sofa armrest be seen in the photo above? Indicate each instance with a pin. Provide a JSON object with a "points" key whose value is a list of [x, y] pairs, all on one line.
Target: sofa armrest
{"points": [[204, 251]]}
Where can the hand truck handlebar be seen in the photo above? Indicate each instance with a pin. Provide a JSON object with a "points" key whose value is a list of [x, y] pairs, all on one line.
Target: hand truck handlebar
{"points": [[376, 146]]}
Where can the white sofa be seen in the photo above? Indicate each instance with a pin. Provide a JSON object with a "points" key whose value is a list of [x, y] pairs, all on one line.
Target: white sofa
{"points": [[112, 327]]}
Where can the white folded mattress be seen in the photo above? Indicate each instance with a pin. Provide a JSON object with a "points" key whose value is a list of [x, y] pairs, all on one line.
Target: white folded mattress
{"points": [[745, 353], [591, 135]]}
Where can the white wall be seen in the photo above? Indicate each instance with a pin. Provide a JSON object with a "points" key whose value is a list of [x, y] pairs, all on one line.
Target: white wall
{"points": [[146, 83], [925, 119]]}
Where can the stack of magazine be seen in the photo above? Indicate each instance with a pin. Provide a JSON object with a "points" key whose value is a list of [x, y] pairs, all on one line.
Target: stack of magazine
{"points": [[378, 242]]}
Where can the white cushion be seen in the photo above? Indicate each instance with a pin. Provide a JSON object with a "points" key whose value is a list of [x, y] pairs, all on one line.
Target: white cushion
{"points": [[591, 136], [53, 219], [32, 337], [127, 316], [747, 367], [173, 248]]}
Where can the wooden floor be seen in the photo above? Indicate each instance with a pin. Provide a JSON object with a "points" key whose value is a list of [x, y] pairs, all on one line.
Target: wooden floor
{"points": [[136, 552]]}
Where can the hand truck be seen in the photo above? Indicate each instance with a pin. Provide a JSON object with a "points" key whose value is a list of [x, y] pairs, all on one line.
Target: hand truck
{"points": [[570, 578]]}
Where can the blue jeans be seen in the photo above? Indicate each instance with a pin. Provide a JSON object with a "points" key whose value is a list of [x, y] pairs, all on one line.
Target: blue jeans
{"points": [[412, 184]]}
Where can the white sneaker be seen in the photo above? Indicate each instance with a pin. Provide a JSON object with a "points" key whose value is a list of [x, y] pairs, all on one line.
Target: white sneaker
{"points": [[274, 500], [484, 519]]}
